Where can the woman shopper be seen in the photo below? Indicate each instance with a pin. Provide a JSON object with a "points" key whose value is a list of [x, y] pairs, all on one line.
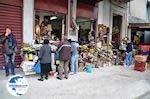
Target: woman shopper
{"points": [[45, 60]]}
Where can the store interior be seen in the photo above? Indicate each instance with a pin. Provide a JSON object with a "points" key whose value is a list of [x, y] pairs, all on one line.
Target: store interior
{"points": [[86, 29], [48, 25], [140, 36]]}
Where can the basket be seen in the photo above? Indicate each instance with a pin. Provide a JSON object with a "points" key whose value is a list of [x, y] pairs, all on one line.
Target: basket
{"points": [[141, 58]]}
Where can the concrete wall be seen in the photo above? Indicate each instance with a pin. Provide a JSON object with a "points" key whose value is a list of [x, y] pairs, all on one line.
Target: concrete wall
{"points": [[120, 9], [106, 9], [28, 20], [148, 12], [138, 9], [104, 12]]}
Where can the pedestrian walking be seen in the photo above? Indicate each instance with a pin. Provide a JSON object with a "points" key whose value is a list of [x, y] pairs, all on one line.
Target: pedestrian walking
{"points": [[64, 51], [9, 49], [45, 60], [128, 55]]}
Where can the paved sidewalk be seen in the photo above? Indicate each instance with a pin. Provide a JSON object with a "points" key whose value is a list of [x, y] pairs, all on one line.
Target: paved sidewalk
{"points": [[114, 82]]}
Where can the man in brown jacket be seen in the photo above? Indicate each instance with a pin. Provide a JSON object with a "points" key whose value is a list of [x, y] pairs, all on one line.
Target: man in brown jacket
{"points": [[64, 51]]}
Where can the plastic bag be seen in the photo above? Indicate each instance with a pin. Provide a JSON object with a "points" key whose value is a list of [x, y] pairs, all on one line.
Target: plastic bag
{"points": [[89, 69], [37, 68]]}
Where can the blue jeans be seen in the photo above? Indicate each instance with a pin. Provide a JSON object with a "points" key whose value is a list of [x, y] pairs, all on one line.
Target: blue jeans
{"points": [[128, 59], [10, 58], [74, 63]]}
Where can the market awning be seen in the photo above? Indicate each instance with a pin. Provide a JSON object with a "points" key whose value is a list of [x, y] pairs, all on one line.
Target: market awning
{"points": [[139, 25]]}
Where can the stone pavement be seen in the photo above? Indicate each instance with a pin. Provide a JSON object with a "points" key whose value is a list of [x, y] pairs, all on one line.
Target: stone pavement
{"points": [[114, 82]]}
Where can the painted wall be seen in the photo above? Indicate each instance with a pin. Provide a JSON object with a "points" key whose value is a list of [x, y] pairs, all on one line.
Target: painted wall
{"points": [[138, 9], [28, 20]]}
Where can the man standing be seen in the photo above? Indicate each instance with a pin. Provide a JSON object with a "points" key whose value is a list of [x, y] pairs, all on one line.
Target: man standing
{"points": [[74, 57], [128, 56], [8, 47], [64, 51]]}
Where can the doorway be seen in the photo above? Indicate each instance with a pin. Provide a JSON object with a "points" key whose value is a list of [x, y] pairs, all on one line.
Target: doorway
{"points": [[116, 29], [49, 25]]}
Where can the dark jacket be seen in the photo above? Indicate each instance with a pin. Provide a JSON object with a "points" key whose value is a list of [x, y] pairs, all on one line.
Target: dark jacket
{"points": [[45, 54], [129, 47], [64, 51], [8, 48]]}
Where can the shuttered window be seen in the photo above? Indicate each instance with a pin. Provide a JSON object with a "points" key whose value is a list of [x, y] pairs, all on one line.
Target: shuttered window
{"points": [[11, 16]]}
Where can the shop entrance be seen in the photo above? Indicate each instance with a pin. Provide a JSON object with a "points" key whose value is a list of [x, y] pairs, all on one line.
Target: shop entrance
{"points": [[86, 30], [116, 29], [49, 25]]}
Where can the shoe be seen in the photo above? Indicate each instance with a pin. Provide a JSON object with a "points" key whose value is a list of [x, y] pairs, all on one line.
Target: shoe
{"points": [[71, 73], [46, 78], [66, 77], [7, 74], [40, 79], [59, 78], [13, 73]]}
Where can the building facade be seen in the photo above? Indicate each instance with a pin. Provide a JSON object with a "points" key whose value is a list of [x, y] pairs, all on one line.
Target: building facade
{"points": [[31, 18], [139, 24]]}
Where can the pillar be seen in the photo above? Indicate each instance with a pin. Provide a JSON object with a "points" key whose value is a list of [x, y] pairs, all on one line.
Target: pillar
{"points": [[72, 8], [28, 20]]}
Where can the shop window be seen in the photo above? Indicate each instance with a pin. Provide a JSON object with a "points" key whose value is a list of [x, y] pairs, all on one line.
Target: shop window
{"points": [[48, 25], [86, 30]]}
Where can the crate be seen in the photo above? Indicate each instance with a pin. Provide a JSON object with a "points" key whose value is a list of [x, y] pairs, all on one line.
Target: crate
{"points": [[144, 52], [142, 58], [140, 66], [144, 47]]}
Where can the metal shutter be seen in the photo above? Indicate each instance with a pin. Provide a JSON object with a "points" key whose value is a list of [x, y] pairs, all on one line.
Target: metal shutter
{"points": [[11, 16]]}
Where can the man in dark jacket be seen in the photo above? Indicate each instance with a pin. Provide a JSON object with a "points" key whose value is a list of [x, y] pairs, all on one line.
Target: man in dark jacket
{"points": [[64, 51], [8, 47]]}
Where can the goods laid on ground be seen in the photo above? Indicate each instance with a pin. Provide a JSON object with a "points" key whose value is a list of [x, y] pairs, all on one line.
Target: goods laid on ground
{"points": [[27, 67], [29, 56], [110, 57], [87, 57]]}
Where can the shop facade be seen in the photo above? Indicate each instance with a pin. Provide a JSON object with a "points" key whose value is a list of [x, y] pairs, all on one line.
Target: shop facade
{"points": [[35, 19], [112, 15]]}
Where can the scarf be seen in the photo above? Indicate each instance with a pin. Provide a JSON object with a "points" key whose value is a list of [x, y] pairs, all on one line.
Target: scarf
{"points": [[11, 41]]}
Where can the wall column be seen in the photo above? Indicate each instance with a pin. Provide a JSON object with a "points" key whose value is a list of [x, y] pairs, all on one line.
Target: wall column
{"points": [[72, 8], [28, 21]]}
